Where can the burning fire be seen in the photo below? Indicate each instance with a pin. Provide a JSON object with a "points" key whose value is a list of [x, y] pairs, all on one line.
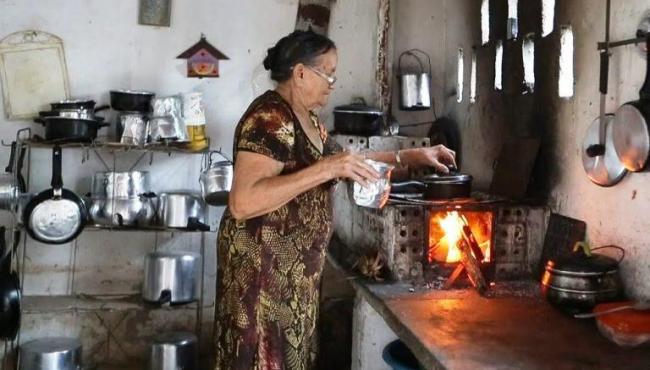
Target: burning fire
{"points": [[447, 231]]}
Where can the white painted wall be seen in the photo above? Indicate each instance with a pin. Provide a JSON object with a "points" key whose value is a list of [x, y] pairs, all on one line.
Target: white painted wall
{"points": [[613, 215]]}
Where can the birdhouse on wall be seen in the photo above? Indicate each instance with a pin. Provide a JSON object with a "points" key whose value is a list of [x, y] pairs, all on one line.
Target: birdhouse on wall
{"points": [[202, 59]]}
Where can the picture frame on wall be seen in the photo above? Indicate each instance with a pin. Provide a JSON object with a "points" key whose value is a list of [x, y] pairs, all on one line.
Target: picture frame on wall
{"points": [[155, 13]]}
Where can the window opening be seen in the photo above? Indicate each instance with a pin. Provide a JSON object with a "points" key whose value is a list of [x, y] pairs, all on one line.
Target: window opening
{"points": [[513, 19], [472, 80], [528, 54], [485, 21], [566, 62], [498, 66], [459, 81], [548, 17]]}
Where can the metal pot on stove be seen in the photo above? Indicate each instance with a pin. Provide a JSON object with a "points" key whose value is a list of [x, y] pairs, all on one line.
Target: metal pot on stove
{"points": [[437, 186], [577, 282]]}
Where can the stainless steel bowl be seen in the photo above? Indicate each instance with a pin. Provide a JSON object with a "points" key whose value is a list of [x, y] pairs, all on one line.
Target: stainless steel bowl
{"points": [[172, 277], [54, 353], [174, 351]]}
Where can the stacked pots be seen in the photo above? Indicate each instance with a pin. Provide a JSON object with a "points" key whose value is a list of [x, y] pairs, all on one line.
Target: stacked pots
{"points": [[122, 199], [72, 121], [133, 108]]}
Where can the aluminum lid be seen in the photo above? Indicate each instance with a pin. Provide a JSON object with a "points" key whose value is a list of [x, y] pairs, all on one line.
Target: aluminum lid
{"points": [[605, 170], [630, 136]]}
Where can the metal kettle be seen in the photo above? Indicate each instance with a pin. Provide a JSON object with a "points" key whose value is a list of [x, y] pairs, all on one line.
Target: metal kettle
{"points": [[415, 90], [216, 179]]}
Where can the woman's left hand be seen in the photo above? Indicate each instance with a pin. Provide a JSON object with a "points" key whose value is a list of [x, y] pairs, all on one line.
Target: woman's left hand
{"points": [[439, 157]]}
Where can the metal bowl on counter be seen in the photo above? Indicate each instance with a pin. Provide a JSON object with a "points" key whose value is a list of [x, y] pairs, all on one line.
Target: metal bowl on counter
{"points": [[54, 353]]}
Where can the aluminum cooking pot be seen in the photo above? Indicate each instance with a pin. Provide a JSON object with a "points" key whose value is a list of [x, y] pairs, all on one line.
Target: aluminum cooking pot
{"points": [[134, 211], [216, 180], [131, 100], [181, 210], [415, 93], [576, 283], [120, 184], [358, 119], [54, 353], [172, 277], [174, 351], [437, 186]]}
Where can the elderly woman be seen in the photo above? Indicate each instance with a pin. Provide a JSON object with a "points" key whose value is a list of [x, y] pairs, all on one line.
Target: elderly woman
{"points": [[275, 231]]}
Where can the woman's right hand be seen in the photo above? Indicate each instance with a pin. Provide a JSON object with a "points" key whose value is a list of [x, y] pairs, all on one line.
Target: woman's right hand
{"points": [[349, 165]]}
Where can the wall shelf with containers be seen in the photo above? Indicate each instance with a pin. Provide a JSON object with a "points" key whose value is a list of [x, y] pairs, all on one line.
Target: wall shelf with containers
{"points": [[194, 205]]}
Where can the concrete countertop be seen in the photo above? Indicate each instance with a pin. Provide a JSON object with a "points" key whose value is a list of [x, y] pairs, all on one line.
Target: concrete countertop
{"points": [[460, 330]]}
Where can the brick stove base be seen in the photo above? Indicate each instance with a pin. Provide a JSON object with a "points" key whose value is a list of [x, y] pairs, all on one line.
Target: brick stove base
{"points": [[400, 233]]}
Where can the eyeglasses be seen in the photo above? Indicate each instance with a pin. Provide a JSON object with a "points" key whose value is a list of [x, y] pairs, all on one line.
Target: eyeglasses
{"points": [[331, 80]]}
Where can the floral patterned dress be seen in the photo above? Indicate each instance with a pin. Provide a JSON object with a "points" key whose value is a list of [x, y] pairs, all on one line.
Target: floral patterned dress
{"points": [[269, 267]]}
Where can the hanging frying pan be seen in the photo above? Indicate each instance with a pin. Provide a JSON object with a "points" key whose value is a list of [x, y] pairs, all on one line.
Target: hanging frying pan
{"points": [[56, 215], [605, 169], [631, 132], [9, 296]]}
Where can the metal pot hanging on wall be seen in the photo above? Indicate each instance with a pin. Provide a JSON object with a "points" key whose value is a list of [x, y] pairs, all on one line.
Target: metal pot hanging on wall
{"points": [[415, 91]]}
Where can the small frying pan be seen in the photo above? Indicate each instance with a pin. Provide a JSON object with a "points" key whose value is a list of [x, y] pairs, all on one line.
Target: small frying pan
{"points": [[56, 215]]}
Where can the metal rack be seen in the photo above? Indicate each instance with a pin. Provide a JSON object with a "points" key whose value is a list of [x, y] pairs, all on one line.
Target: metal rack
{"points": [[24, 139]]}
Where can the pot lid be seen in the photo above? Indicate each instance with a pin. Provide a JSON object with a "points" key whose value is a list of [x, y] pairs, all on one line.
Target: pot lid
{"points": [[133, 92], [630, 137], [450, 178], [605, 170], [579, 262], [75, 101], [357, 108]]}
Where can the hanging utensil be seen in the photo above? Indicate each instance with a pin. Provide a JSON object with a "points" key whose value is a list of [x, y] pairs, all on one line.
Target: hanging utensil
{"points": [[56, 215], [415, 90], [216, 180], [596, 150], [631, 132]]}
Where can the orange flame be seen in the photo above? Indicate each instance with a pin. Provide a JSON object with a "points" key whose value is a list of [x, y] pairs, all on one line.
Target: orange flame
{"points": [[444, 248]]}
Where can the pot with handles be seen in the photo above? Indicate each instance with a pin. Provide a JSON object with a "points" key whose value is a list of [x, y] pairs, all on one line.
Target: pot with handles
{"points": [[415, 93], [577, 282], [216, 180], [174, 351], [172, 277], [181, 210], [122, 199], [52, 353]]}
